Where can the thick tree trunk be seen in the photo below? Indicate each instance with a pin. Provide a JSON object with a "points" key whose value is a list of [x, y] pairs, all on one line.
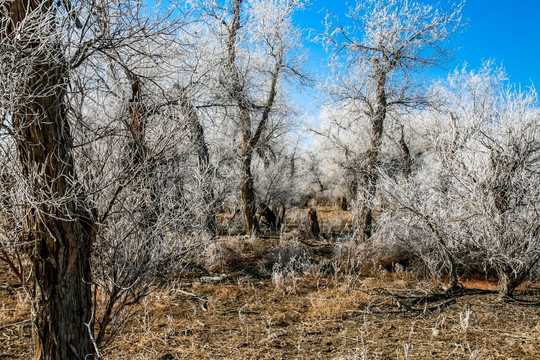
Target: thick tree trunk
{"points": [[137, 123], [510, 279], [507, 286], [60, 222], [508, 283], [63, 231], [62, 303], [237, 92], [140, 158]]}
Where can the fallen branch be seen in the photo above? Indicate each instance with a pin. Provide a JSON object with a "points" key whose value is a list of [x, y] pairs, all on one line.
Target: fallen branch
{"points": [[15, 324]]}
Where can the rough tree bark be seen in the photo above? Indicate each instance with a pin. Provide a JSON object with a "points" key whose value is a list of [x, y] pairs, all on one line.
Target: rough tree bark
{"points": [[62, 226], [136, 123]]}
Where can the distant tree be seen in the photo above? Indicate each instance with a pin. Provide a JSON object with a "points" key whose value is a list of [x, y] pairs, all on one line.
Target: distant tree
{"points": [[204, 166], [375, 57], [258, 46], [341, 138]]}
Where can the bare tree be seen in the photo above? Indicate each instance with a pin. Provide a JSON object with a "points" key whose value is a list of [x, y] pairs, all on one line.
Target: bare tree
{"points": [[417, 214], [204, 165], [59, 220], [194, 99], [67, 177], [277, 179], [476, 190], [341, 139], [382, 46], [493, 182], [258, 46]]}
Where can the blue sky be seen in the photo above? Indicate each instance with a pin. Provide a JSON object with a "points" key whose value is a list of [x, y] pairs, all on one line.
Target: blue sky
{"points": [[505, 31]]}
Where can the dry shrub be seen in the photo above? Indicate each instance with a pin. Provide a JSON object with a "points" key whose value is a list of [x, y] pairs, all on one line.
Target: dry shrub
{"points": [[345, 258], [254, 246], [223, 292], [219, 257], [288, 255], [379, 254], [289, 264]]}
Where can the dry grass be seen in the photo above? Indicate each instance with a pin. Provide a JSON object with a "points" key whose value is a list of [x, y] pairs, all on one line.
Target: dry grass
{"points": [[14, 317], [348, 318], [244, 319], [274, 298]]}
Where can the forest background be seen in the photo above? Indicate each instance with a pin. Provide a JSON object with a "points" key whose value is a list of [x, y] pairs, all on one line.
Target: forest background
{"points": [[149, 140]]}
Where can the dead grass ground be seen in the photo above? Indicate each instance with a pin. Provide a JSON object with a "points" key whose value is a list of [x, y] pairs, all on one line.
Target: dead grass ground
{"points": [[306, 313], [354, 317]]}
